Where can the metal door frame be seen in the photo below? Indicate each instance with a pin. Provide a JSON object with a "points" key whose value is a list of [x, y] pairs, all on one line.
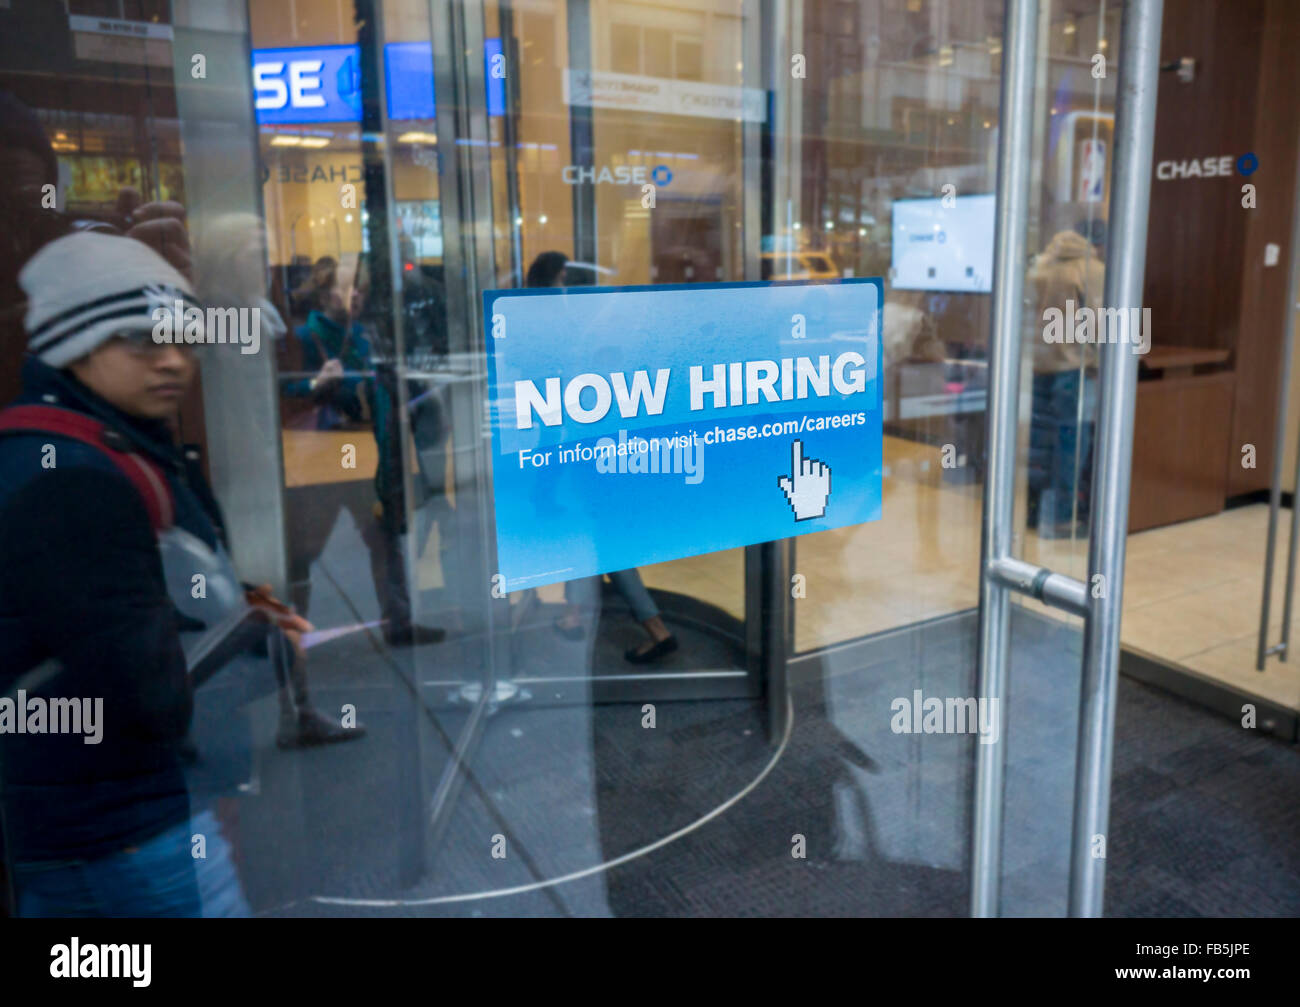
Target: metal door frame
{"points": [[1000, 572]]}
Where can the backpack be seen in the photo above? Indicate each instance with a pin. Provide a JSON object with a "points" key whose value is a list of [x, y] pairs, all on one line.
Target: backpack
{"points": [[145, 475]]}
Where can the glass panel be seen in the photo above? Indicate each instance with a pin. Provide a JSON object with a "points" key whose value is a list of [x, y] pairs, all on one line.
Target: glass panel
{"points": [[889, 806], [920, 110], [775, 727], [440, 739]]}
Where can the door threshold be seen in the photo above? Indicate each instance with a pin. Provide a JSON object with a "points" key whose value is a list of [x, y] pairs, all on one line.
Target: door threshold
{"points": [[1271, 717]]}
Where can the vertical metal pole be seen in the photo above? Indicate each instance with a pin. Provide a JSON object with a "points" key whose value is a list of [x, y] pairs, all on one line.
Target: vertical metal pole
{"points": [[1014, 144], [582, 139], [219, 151], [785, 21], [1274, 503], [757, 63], [1295, 532], [1135, 125], [464, 186], [1279, 440], [510, 137]]}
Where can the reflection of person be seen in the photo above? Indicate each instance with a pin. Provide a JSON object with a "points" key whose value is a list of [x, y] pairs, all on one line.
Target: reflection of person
{"points": [[103, 829], [335, 346], [548, 270], [1061, 426], [231, 266], [343, 392], [231, 263], [30, 169], [315, 288]]}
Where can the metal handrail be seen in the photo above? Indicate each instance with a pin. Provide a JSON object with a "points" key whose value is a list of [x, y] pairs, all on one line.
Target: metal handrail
{"points": [[1020, 33], [1134, 138], [1263, 650], [1001, 573]]}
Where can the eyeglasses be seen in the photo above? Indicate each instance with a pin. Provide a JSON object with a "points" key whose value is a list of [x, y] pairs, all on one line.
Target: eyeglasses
{"points": [[140, 342]]}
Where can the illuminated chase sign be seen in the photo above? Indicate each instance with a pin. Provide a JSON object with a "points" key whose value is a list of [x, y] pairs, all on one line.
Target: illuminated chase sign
{"points": [[323, 83], [307, 85], [634, 425]]}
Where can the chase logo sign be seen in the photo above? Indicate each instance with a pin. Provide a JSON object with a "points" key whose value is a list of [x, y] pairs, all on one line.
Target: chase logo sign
{"points": [[1207, 167], [622, 174]]}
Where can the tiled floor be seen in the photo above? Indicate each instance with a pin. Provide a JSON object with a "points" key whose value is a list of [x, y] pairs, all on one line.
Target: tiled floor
{"points": [[1196, 593]]}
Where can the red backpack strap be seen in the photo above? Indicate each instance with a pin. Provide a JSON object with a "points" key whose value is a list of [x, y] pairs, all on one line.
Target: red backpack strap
{"points": [[147, 478]]}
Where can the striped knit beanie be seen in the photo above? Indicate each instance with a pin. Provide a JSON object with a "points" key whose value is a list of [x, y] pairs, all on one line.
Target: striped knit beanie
{"points": [[85, 287]]}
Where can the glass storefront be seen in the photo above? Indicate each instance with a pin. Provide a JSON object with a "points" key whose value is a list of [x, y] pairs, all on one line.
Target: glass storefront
{"points": [[714, 733]]}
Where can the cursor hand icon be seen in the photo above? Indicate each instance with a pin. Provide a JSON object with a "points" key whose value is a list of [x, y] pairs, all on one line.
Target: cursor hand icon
{"points": [[808, 486]]}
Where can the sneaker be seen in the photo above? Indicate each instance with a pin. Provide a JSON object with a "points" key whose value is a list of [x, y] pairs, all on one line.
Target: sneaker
{"points": [[575, 632], [411, 635], [314, 728], [661, 649]]}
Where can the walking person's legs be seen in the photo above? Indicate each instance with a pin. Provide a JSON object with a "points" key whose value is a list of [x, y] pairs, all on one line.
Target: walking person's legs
{"points": [[582, 606], [646, 612]]}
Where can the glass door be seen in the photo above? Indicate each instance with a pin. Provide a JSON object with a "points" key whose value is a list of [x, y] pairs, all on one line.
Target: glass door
{"points": [[724, 717], [798, 143], [674, 714]]}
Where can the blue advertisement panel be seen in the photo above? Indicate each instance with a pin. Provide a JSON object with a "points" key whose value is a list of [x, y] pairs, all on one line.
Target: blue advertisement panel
{"points": [[634, 425], [316, 84], [409, 69], [303, 85]]}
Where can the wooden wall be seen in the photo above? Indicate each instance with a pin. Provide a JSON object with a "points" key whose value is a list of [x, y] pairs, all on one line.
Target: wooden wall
{"points": [[1263, 308], [1206, 282], [1196, 225]]}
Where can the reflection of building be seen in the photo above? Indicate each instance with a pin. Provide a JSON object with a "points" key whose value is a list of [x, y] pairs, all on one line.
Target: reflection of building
{"points": [[101, 92], [308, 103]]}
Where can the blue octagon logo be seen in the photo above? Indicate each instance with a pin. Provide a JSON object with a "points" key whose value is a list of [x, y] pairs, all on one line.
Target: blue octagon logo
{"points": [[661, 174]]}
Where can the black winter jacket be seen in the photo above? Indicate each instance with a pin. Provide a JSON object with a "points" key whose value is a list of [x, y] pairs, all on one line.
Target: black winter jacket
{"points": [[82, 593]]}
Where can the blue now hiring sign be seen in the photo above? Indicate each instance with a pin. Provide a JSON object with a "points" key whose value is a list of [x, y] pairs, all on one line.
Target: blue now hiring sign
{"points": [[634, 425]]}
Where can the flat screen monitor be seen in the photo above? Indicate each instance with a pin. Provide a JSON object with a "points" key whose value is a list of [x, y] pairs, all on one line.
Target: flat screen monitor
{"points": [[943, 248]]}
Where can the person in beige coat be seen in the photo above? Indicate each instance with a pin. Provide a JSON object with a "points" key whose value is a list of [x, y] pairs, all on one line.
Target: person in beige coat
{"points": [[1067, 275]]}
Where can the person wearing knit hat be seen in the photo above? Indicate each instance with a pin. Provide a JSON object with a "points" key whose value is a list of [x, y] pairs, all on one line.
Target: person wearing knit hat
{"points": [[96, 503], [86, 288]]}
